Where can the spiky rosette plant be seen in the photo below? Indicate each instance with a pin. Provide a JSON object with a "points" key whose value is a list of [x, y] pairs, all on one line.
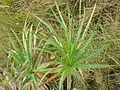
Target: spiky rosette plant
{"points": [[71, 49], [25, 67]]}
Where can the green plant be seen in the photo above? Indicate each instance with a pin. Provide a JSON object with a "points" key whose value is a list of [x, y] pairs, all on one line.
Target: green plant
{"points": [[25, 60], [72, 53]]}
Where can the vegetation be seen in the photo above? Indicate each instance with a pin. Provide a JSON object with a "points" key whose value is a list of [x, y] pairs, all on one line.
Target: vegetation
{"points": [[60, 45]]}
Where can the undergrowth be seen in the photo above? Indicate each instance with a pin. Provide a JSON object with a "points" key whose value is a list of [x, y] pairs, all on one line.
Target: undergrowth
{"points": [[56, 37]]}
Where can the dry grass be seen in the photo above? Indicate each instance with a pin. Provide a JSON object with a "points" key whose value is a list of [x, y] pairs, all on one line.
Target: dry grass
{"points": [[105, 25]]}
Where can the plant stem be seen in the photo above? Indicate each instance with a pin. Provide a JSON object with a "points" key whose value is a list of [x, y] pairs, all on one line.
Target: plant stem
{"points": [[69, 83]]}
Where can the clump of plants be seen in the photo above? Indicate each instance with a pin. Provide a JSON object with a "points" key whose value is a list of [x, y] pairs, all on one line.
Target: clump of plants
{"points": [[71, 51]]}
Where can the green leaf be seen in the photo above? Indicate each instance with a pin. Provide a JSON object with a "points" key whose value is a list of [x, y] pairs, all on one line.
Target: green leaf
{"points": [[27, 80], [45, 75], [80, 55], [43, 69], [16, 56], [12, 42], [31, 42], [92, 54], [35, 81], [83, 66], [17, 38], [75, 73], [62, 79], [88, 24], [39, 57], [87, 43], [77, 41], [63, 23]]}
